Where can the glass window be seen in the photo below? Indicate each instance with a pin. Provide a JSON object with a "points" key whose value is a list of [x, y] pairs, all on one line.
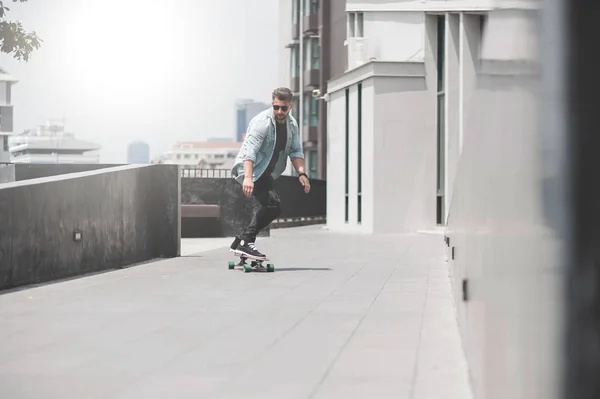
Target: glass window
{"points": [[441, 136], [314, 49], [306, 110], [360, 24], [310, 111], [441, 50], [295, 11], [314, 6], [295, 62], [311, 7], [312, 165], [306, 50], [314, 112]]}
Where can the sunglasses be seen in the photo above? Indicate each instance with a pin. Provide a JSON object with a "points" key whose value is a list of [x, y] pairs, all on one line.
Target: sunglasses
{"points": [[283, 107]]}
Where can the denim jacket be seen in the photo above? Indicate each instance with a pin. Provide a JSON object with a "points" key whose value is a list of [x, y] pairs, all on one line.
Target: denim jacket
{"points": [[259, 146]]}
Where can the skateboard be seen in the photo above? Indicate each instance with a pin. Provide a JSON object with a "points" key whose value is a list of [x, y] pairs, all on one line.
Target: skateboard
{"points": [[254, 266]]}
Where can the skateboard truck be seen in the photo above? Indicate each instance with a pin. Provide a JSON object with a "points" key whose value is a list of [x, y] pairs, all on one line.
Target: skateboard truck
{"points": [[256, 265]]}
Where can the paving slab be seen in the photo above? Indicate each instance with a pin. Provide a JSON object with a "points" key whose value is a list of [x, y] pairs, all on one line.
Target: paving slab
{"points": [[343, 316]]}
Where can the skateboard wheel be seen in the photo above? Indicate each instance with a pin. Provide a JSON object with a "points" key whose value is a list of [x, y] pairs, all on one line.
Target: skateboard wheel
{"points": [[270, 268], [231, 265], [254, 263], [247, 268]]}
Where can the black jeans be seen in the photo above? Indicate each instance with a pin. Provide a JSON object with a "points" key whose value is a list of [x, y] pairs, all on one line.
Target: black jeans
{"points": [[268, 210]]}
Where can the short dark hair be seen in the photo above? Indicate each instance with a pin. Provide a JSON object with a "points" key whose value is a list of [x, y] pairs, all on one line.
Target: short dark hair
{"points": [[283, 94]]}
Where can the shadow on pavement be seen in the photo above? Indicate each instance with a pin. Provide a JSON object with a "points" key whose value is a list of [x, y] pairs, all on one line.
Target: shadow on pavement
{"points": [[299, 269]]}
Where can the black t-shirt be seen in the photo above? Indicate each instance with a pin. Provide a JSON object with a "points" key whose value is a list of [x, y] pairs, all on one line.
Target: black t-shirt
{"points": [[280, 142]]}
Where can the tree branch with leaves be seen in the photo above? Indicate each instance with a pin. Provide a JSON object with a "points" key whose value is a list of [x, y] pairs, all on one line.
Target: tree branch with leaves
{"points": [[14, 39]]}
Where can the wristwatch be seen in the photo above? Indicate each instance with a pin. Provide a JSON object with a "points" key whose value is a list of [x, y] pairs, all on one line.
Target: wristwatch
{"points": [[302, 174]]}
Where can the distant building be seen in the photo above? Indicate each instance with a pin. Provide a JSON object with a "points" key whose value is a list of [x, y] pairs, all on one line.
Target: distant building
{"points": [[49, 143], [245, 111], [6, 114], [138, 152], [202, 154], [220, 139]]}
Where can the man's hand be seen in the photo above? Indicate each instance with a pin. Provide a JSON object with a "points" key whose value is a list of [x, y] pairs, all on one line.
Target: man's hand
{"points": [[248, 186], [306, 183]]}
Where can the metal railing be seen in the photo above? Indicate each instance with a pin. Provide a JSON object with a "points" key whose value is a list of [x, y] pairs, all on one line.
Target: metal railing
{"points": [[205, 173], [201, 186]]}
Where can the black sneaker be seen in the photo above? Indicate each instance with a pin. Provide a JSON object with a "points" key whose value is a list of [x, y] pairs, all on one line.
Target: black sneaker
{"points": [[234, 244], [249, 249]]}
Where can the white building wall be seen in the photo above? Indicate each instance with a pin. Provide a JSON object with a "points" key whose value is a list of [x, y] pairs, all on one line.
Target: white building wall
{"points": [[399, 126], [352, 157], [398, 150], [394, 36], [368, 155], [404, 31], [469, 54], [504, 245], [336, 210], [404, 155], [336, 166], [452, 107]]}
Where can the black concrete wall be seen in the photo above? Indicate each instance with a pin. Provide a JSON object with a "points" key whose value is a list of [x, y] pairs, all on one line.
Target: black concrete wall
{"points": [[126, 215], [236, 209], [295, 203]]}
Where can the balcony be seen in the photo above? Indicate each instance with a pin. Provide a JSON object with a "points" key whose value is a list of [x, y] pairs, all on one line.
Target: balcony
{"points": [[357, 52], [311, 78], [311, 23]]}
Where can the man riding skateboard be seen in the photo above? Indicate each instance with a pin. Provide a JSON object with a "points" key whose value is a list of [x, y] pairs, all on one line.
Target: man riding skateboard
{"points": [[272, 136]]}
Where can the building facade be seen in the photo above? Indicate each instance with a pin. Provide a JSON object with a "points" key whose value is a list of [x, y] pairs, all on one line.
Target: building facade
{"points": [[245, 111], [49, 143], [138, 152], [202, 154], [6, 113], [313, 55], [451, 116], [396, 114]]}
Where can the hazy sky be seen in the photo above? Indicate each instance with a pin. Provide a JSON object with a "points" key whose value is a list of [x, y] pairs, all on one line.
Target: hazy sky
{"points": [[159, 71]]}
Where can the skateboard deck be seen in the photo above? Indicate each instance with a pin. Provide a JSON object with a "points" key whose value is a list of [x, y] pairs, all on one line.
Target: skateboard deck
{"points": [[255, 265]]}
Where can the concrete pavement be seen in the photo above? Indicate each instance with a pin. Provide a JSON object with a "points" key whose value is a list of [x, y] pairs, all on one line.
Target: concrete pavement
{"points": [[343, 316]]}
